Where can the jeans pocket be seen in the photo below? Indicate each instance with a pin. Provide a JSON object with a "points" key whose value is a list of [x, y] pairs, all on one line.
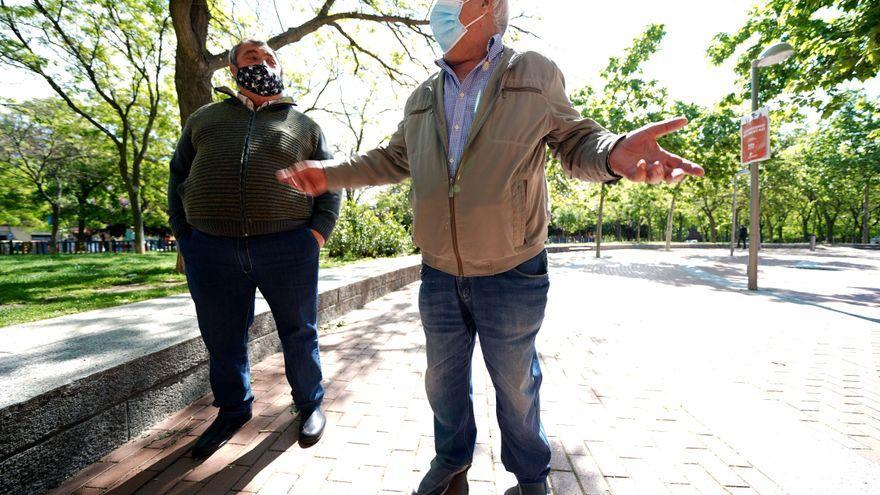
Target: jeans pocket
{"points": [[314, 240], [535, 268], [183, 241]]}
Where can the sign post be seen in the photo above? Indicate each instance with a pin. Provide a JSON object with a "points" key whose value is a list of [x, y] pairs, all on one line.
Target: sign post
{"points": [[755, 149]]}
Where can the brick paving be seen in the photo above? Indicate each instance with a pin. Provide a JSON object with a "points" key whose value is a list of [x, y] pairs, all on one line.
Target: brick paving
{"points": [[662, 376]]}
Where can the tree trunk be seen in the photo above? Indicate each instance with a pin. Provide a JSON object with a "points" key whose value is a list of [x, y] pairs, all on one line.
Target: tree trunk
{"points": [[805, 225], [639, 230], [865, 214], [680, 227], [81, 206], [138, 218], [192, 76], [713, 228], [599, 222], [770, 227], [669, 222], [829, 227], [56, 216]]}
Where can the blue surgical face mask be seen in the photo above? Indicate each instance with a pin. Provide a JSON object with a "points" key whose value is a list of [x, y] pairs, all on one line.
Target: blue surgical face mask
{"points": [[446, 23]]}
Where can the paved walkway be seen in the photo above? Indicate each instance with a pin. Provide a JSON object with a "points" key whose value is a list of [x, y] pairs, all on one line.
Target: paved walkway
{"points": [[662, 375]]}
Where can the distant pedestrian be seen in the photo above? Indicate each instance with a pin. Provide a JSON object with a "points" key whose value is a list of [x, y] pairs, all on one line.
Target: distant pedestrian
{"points": [[743, 235]]}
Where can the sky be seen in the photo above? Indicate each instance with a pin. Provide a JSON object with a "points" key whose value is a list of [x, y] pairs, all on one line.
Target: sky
{"points": [[580, 35]]}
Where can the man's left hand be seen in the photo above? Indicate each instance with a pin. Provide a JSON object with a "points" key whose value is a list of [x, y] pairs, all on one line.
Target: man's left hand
{"points": [[639, 158], [319, 238]]}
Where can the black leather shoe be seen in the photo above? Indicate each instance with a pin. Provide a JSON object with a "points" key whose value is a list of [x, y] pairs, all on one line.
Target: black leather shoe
{"points": [[529, 489], [216, 436], [458, 485], [311, 428]]}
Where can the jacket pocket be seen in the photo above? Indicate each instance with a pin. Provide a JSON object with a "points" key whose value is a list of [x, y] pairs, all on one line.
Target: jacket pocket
{"points": [[519, 89], [519, 117], [518, 205]]}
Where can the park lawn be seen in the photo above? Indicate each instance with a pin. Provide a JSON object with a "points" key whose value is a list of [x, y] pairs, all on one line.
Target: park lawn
{"points": [[36, 287]]}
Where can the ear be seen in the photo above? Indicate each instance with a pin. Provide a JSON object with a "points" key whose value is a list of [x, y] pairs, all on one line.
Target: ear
{"points": [[487, 6]]}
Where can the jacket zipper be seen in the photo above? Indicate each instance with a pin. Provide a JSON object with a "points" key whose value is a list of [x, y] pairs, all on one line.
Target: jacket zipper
{"points": [[243, 179], [453, 188]]}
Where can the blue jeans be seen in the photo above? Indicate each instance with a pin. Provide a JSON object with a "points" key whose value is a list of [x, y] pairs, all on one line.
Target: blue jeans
{"points": [[505, 311], [223, 274]]}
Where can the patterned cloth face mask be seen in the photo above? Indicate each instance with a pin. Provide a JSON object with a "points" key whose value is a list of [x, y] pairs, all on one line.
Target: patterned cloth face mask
{"points": [[260, 79], [446, 23]]}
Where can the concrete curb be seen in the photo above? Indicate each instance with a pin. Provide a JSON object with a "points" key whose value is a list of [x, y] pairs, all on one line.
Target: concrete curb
{"points": [[557, 248], [47, 438]]}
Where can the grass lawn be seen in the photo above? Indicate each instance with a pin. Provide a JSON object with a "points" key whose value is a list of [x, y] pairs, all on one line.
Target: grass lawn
{"points": [[35, 287]]}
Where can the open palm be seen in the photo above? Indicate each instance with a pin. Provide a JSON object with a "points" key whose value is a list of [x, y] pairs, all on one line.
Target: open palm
{"points": [[639, 158]]}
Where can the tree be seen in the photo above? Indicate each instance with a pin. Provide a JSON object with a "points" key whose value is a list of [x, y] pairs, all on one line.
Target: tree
{"points": [[712, 139], [58, 154], [627, 100], [105, 59], [836, 41], [198, 24], [855, 127], [38, 156]]}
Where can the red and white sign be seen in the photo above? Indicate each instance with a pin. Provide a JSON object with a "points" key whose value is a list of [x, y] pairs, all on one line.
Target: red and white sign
{"points": [[756, 136]]}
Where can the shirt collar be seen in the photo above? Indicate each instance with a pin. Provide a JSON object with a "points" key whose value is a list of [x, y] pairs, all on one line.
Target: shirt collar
{"points": [[247, 101], [250, 104], [495, 47]]}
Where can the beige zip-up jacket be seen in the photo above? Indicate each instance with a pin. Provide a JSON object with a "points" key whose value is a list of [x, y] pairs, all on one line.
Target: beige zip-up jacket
{"points": [[493, 215]]}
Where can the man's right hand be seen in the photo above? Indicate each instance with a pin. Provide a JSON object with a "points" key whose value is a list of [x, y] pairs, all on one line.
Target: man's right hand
{"points": [[308, 177]]}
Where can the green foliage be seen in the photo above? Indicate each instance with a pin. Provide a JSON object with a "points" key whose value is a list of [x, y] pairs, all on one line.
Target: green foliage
{"points": [[362, 232], [571, 218], [394, 204], [835, 41]]}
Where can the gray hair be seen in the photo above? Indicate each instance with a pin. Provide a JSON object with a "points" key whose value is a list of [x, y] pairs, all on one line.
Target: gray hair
{"points": [[501, 8], [233, 52]]}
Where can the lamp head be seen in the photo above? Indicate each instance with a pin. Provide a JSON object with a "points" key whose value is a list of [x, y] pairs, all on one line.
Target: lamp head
{"points": [[776, 54]]}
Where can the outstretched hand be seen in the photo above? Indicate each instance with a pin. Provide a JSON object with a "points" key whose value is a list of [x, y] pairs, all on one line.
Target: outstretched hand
{"points": [[308, 177], [639, 158]]}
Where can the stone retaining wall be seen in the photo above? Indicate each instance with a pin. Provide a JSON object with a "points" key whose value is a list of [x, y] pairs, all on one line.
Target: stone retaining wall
{"points": [[49, 437]]}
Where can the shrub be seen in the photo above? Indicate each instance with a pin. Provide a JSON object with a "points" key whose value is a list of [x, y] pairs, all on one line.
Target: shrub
{"points": [[362, 233]]}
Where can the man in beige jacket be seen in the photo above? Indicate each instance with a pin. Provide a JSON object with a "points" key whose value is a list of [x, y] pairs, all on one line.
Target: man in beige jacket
{"points": [[473, 139]]}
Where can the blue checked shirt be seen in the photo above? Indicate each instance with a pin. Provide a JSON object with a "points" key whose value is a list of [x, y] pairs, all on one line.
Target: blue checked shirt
{"points": [[461, 99]]}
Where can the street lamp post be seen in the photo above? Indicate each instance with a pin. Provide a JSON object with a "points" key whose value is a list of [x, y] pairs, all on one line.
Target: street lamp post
{"points": [[774, 55], [733, 221]]}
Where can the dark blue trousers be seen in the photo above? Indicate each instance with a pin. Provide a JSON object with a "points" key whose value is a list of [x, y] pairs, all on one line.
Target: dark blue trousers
{"points": [[223, 274]]}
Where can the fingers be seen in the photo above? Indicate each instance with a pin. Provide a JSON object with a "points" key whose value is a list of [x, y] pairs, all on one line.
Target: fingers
{"points": [[302, 176], [641, 172], [656, 173], [675, 176], [665, 127]]}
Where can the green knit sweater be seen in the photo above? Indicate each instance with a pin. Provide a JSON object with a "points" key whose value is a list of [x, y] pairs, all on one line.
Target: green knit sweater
{"points": [[222, 179]]}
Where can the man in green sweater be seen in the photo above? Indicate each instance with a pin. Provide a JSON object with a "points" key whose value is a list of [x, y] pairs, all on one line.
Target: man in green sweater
{"points": [[238, 230]]}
